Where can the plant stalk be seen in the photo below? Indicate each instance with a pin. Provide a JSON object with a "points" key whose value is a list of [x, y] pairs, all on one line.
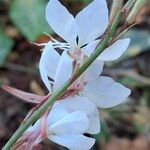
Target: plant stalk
{"points": [[137, 6], [129, 4], [116, 7]]}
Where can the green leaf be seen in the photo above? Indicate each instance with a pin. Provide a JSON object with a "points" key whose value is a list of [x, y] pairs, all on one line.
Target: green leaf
{"points": [[6, 44], [29, 17]]}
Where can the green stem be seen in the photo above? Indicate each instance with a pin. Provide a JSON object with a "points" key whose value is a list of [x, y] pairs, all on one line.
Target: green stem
{"points": [[137, 6], [129, 4], [116, 7], [23, 127]]}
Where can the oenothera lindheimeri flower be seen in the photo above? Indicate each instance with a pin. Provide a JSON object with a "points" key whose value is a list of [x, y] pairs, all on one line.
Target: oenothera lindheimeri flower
{"points": [[81, 33], [62, 127], [88, 92], [101, 90], [60, 69]]}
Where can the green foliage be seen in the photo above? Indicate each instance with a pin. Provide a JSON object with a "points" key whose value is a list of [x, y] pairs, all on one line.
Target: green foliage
{"points": [[29, 17], [6, 44]]}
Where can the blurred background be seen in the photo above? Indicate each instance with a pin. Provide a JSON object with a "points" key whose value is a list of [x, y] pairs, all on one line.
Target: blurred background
{"points": [[125, 127]]}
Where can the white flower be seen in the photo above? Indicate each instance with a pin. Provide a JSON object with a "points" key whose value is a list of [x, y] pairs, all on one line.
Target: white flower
{"points": [[93, 90], [66, 128], [82, 31], [74, 103], [88, 25], [60, 68], [101, 90], [60, 75]]}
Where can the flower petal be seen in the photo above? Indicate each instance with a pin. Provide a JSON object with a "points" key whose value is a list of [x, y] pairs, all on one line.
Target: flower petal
{"points": [[94, 70], [64, 70], [56, 113], [76, 103], [105, 92], [92, 21], [74, 123], [61, 21], [35, 127], [51, 58], [115, 50], [89, 48], [48, 64], [44, 75], [94, 119], [73, 141]]}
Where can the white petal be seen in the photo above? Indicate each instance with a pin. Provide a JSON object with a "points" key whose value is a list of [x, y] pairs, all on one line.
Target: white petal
{"points": [[50, 58], [56, 113], [61, 21], [74, 142], [64, 70], [105, 92], [48, 64], [89, 48], [92, 21], [115, 50], [35, 127], [74, 123], [94, 119], [76, 103], [94, 70]]}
